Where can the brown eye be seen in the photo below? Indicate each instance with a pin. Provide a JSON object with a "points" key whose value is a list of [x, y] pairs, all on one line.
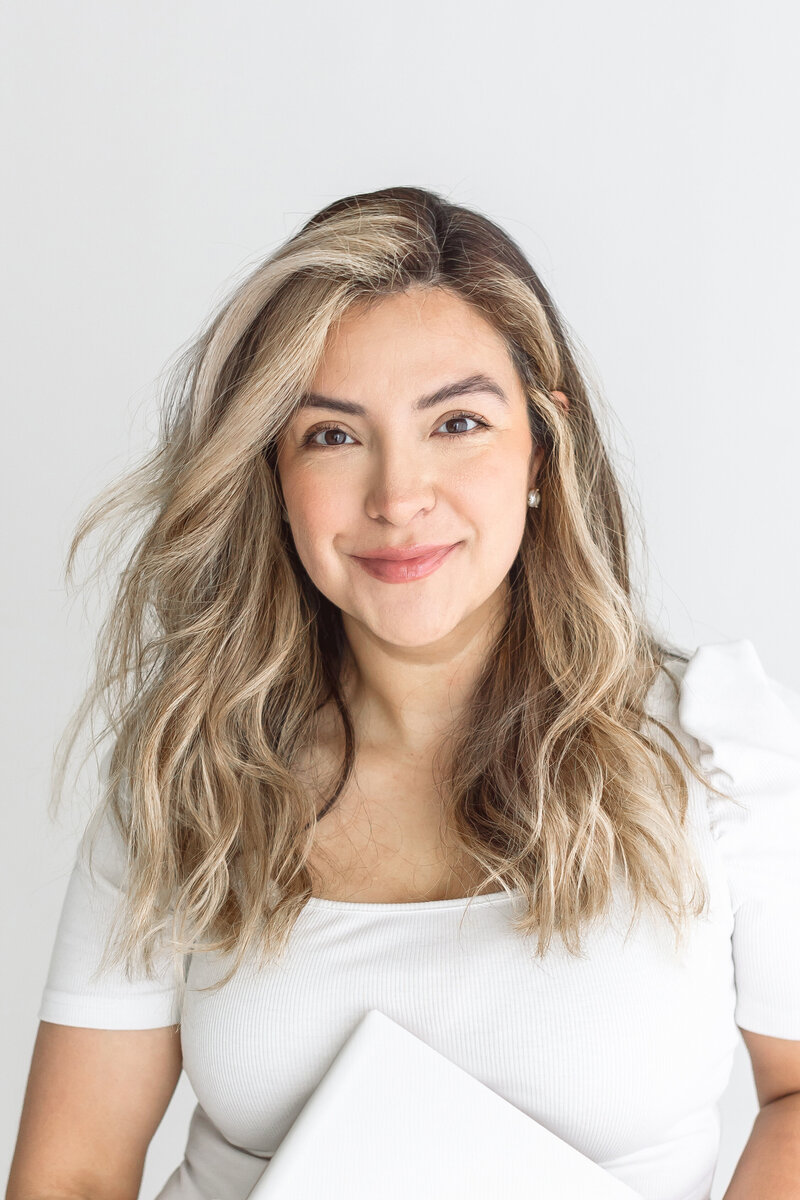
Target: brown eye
{"points": [[312, 433], [464, 417]]}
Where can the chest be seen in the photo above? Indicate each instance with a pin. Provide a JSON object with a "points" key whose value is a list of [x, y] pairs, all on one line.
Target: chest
{"points": [[624, 1052], [384, 840], [612, 1051]]}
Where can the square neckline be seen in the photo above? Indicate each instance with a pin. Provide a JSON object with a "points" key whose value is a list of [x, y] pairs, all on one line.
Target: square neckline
{"points": [[404, 905]]}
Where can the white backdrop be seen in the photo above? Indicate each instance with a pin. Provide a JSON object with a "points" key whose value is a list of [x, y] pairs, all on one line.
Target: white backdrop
{"points": [[644, 155]]}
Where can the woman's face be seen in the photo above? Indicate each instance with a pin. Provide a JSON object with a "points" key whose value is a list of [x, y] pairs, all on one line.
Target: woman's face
{"points": [[385, 473]]}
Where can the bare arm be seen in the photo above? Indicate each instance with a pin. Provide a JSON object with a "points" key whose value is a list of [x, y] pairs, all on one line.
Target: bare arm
{"points": [[769, 1166], [93, 1101]]}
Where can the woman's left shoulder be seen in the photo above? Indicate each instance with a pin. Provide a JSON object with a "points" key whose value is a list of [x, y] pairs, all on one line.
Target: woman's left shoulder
{"points": [[747, 730], [747, 723]]}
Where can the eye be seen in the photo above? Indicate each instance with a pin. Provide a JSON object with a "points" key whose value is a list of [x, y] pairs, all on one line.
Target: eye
{"points": [[464, 416], [312, 433], [308, 439]]}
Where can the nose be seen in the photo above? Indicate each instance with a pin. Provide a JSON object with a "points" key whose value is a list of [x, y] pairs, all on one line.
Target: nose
{"points": [[401, 488]]}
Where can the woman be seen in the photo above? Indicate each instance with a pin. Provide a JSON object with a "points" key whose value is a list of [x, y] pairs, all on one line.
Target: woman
{"points": [[390, 730]]}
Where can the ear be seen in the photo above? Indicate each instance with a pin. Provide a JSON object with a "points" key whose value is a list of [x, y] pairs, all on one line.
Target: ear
{"points": [[536, 462], [562, 399]]}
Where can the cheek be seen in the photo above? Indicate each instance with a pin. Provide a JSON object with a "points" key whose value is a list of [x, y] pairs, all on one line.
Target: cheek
{"points": [[316, 503], [321, 515], [494, 487], [495, 503]]}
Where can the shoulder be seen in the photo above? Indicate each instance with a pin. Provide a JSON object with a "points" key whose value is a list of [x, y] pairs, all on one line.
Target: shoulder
{"points": [[742, 728], [746, 723], [745, 729]]}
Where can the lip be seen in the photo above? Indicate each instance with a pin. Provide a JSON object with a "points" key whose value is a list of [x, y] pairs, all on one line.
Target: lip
{"points": [[404, 553], [412, 562]]}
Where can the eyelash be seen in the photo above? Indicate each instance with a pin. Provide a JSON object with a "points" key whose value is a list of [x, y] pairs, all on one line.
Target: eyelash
{"points": [[312, 433]]}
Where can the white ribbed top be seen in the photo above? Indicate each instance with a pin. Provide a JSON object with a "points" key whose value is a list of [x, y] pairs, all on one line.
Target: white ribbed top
{"points": [[623, 1052]]}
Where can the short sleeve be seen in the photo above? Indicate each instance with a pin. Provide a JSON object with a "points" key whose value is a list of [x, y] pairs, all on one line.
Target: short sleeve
{"points": [[747, 726], [74, 992]]}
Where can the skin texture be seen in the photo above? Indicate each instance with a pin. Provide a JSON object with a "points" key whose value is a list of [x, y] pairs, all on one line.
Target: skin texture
{"points": [[398, 479], [769, 1166], [93, 1101]]}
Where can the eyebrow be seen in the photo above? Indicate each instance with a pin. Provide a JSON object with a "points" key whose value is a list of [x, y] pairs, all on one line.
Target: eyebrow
{"points": [[461, 387]]}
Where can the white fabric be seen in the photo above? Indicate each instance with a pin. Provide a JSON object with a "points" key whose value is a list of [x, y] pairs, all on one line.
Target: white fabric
{"points": [[420, 1127], [624, 1053]]}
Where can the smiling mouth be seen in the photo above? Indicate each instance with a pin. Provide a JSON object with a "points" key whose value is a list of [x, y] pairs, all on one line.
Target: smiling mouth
{"points": [[407, 569]]}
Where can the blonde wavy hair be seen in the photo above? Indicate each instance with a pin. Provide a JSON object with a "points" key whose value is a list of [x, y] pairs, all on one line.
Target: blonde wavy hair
{"points": [[218, 652]]}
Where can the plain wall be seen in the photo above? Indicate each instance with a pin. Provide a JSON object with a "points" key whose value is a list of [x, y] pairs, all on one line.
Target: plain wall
{"points": [[642, 155]]}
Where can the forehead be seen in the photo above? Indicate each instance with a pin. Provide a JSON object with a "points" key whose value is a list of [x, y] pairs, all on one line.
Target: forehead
{"points": [[409, 340]]}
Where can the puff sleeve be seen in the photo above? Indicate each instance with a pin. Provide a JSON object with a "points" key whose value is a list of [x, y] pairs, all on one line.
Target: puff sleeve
{"points": [[747, 726], [74, 992]]}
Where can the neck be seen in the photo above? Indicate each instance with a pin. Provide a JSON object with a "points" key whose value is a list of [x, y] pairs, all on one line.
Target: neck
{"points": [[405, 698]]}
